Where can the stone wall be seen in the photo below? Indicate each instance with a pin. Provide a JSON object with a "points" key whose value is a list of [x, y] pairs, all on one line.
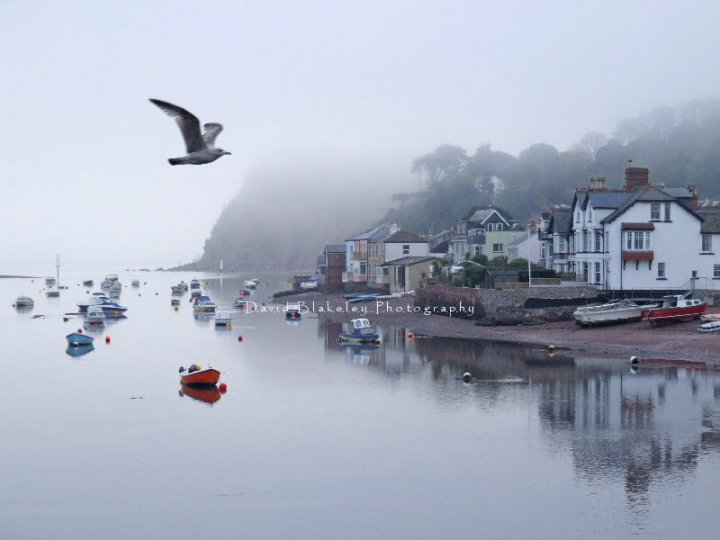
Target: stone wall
{"points": [[490, 307]]}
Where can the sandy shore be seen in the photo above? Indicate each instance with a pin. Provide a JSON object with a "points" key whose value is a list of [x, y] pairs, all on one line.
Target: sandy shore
{"points": [[669, 341]]}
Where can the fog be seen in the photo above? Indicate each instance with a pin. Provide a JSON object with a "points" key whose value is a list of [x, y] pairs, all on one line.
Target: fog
{"points": [[331, 85]]}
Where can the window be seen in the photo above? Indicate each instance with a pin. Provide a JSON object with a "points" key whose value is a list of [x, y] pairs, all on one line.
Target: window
{"points": [[706, 243], [655, 211], [598, 240], [476, 249], [577, 216], [497, 248], [589, 216], [637, 240], [598, 276], [667, 211], [693, 275], [363, 268], [562, 244], [498, 226], [661, 270], [716, 271], [406, 249], [584, 240]]}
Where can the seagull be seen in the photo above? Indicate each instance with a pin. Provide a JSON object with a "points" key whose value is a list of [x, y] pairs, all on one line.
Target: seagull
{"points": [[200, 147]]}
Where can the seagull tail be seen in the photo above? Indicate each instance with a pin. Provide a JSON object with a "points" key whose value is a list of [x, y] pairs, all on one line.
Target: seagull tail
{"points": [[175, 161]]}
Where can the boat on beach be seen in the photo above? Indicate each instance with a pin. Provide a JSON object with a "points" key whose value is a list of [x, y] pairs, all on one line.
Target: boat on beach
{"points": [[675, 307], [710, 326], [293, 312], [610, 313]]}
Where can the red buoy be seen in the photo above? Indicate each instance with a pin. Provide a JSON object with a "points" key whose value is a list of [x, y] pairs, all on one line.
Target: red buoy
{"points": [[107, 339], [222, 388], [79, 330], [410, 335], [240, 338]]}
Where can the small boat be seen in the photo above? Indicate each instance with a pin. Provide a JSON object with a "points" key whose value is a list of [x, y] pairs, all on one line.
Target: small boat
{"points": [[710, 326], [174, 302], [95, 315], [223, 318], [135, 283], [76, 339], [198, 376], [52, 293], [251, 284], [177, 289], [707, 317], [675, 307], [203, 304], [24, 302], [111, 309], [244, 292], [362, 332], [195, 285], [241, 303], [111, 280], [611, 312], [294, 311], [88, 283]]}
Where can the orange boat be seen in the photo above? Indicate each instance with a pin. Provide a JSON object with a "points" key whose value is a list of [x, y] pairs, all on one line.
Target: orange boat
{"points": [[205, 377], [207, 393]]}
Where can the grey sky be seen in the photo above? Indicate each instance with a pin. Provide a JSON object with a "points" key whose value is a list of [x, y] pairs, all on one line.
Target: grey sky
{"points": [[84, 166]]}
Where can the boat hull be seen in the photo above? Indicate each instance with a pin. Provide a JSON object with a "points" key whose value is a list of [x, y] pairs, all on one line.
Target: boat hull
{"points": [[679, 313], [77, 339], [204, 377], [610, 316]]}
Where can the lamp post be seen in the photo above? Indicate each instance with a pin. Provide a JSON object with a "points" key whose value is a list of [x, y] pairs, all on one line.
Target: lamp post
{"points": [[529, 265]]}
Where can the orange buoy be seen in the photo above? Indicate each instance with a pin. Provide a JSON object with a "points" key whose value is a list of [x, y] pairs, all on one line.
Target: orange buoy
{"points": [[222, 388]]}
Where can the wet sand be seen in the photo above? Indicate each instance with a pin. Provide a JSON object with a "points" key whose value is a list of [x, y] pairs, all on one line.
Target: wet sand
{"points": [[671, 341]]}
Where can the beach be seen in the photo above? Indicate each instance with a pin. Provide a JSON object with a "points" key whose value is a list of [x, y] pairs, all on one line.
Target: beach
{"points": [[672, 341]]}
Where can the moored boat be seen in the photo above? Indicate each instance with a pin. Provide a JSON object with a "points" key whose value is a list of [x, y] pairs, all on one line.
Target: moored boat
{"points": [[675, 307], [362, 332], [294, 311], [52, 293], [203, 304], [24, 302], [609, 313], [95, 315], [76, 339], [223, 318], [710, 326], [195, 375]]}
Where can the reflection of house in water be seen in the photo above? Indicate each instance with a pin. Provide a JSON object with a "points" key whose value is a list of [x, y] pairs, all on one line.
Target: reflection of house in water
{"points": [[642, 426]]}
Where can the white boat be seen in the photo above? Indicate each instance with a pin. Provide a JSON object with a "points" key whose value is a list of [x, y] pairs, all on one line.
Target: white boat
{"points": [[223, 318], [95, 315], [362, 332], [203, 304], [111, 280], [24, 302], [710, 326], [251, 284], [612, 312], [708, 317]]}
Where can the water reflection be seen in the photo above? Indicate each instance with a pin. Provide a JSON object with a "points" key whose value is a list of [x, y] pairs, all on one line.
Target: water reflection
{"points": [[79, 350], [207, 394], [635, 429]]}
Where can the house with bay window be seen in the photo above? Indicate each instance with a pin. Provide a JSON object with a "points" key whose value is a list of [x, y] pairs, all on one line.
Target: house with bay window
{"points": [[641, 238]]}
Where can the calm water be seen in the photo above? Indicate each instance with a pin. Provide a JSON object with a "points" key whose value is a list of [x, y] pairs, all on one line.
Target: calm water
{"points": [[317, 441]]}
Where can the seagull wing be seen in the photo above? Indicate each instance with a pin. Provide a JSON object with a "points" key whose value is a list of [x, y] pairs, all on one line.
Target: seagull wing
{"points": [[187, 122], [211, 133]]}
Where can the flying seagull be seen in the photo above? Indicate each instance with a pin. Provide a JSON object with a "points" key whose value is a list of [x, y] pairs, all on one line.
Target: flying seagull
{"points": [[200, 147]]}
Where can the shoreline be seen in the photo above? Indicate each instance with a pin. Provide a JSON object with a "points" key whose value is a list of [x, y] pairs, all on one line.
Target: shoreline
{"points": [[672, 341]]}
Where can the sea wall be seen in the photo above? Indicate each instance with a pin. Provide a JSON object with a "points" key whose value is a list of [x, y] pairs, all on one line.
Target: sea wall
{"points": [[491, 307]]}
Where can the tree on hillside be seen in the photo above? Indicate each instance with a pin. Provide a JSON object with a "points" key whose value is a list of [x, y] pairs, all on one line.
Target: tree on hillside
{"points": [[443, 163]]}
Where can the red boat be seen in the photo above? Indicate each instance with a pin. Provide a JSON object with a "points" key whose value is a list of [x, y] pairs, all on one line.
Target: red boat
{"points": [[675, 307], [205, 377]]}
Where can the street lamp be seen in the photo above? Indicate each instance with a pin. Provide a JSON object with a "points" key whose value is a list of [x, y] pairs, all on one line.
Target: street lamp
{"points": [[529, 265]]}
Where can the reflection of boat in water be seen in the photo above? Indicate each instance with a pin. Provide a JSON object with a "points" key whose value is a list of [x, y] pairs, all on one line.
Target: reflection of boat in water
{"points": [[95, 315], [76, 339], [362, 332], [551, 360], [361, 353], [24, 302], [293, 311], [79, 350], [223, 318], [209, 393], [203, 304]]}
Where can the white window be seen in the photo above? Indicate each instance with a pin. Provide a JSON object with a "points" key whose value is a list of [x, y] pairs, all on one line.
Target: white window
{"points": [[598, 276], [716, 271], [406, 249], [637, 240], [667, 211], [589, 215], [577, 216], [661, 270], [497, 248], [655, 211], [598, 240], [562, 244], [584, 240], [706, 243]]}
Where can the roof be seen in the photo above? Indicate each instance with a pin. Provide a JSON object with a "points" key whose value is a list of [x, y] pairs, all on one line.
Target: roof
{"points": [[711, 215], [560, 221], [404, 237], [649, 194], [376, 233], [481, 215], [334, 248], [605, 199], [405, 261], [441, 247]]}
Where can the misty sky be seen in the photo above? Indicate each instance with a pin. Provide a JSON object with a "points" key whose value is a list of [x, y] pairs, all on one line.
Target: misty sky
{"points": [[84, 169]]}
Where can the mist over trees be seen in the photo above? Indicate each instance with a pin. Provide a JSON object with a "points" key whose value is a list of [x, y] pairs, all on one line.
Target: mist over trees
{"points": [[282, 218], [680, 145]]}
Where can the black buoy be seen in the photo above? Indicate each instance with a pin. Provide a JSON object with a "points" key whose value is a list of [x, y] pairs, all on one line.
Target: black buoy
{"points": [[634, 360], [467, 377]]}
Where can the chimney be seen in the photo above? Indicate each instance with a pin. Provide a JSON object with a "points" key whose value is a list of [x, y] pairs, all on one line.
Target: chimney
{"points": [[694, 191], [598, 183], [636, 177]]}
